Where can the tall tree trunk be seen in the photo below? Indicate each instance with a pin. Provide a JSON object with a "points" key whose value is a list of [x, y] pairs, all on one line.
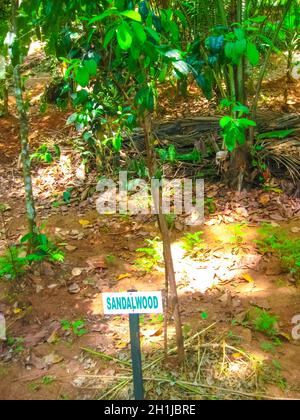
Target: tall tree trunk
{"points": [[241, 64], [168, 259], [266, 60], [23, 121]]}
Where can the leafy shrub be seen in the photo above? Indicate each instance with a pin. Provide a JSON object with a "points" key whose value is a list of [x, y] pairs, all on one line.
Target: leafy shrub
{"points": [[265, 322], [76, 327], [17, 259], [151, 255], [46, 154], [13, 264], [276, 241], [193, 242]]}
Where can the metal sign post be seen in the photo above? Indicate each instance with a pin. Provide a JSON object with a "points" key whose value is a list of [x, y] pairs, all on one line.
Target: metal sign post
{"points": [[134, 303], [136, 357]]}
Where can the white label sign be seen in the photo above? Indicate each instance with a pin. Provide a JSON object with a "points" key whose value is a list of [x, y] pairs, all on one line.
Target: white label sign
{"points": [[132, 303]]}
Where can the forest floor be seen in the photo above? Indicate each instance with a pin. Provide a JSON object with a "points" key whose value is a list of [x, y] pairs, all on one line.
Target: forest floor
{"points": [[222, 291]]}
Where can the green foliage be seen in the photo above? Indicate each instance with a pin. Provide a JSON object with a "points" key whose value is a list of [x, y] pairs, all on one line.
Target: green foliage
{"points": [[13, 263], [77, 327], [239, 45], [111, 259], [276, 241], [44, 249], [16, 344], [17, 259], [234, 128], [139, 168], [265, 323], [238, 230], [48, 380], [270, 347], [280, 134], [150, 255], [171, 155], [46, 154], [204, 316], [193, 242], [170, 219], [210, 204]]}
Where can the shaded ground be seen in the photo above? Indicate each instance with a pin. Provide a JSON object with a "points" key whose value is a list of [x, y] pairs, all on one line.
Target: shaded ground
{"points": [[42, 360]]}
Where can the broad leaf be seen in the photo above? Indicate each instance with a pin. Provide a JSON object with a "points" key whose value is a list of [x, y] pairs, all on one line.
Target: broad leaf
{"points": [[108, 37], [281, 134], [132, 14], [252, 54], [82, 76], [91, 67], [124, 36], [139, 32]]}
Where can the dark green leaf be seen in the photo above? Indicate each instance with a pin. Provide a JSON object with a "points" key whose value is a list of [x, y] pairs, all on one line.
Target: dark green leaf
{"points": [[82, 76]]}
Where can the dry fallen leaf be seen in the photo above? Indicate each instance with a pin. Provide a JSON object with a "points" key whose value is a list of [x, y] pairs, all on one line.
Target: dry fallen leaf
{"points": [[264, 199], [121, 344], [84, 222], [76, 272], [124, 276], [284, 335], [71, 248], [97, 262], [52, 359], [247, 277], [237, 356]]}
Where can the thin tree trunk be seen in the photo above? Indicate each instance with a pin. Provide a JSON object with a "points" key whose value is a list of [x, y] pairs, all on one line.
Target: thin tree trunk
{"points": [[241, 64], [289, 69], [23, 121], [266, 60], [5, 99], [168, 259]]}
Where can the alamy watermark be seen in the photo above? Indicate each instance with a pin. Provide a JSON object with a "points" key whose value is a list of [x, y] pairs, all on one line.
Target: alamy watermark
{"points": [[296, 329], [176, 196]]}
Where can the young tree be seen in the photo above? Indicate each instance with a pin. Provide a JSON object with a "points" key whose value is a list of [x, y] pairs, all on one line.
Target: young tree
{"points": [[14, 44]]}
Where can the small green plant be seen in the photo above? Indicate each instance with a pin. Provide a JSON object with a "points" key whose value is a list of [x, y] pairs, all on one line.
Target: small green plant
{"points": [[170, 219], [17, 259], [193, 242], [186, 330], [204, 315], [33, 387], [235, 125], [44, 249], [48, 380], [276, 241], [238, 233], [46, 154], [171, 155], [111, 259], [265, 323], [210, 205], [16, 344], [272, 373], [150, 255], [155, 319], [76, 327], [13, 263], [267, 347]]}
